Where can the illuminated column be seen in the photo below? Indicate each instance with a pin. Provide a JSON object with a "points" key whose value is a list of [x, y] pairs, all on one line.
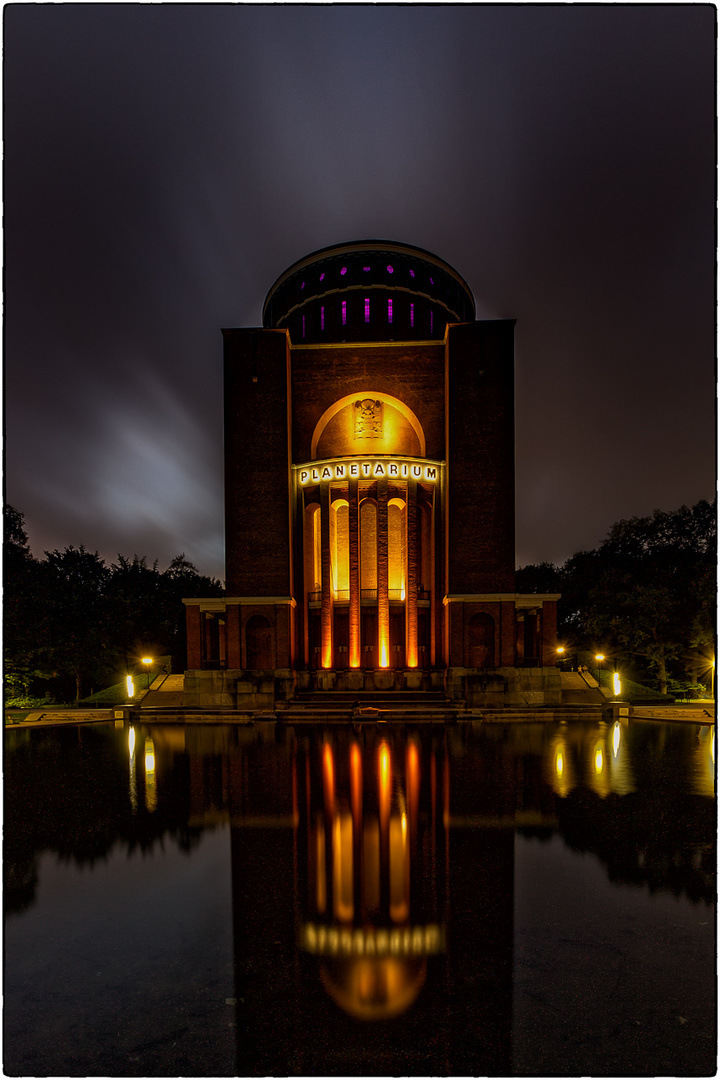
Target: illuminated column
{"points": [[354, 571], [326, 612], [383, 602], [411, 578]]}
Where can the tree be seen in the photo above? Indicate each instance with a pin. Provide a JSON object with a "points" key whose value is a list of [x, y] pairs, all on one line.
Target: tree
{"points": [[77, 638], [647, 593], [649, 588], [23, 612]]}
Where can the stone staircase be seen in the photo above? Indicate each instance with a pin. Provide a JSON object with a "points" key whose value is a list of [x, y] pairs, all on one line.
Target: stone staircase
{"points": [[166, 692], [580, 689], [371, 706]]}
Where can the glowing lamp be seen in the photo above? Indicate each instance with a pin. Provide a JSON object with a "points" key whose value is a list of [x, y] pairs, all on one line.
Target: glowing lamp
{"points": [[616, 684], [147, 660], [130, 686]]}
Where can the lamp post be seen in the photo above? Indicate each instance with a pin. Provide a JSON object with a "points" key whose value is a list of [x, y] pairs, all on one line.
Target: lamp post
{"points": [[599, 657], [147, 660]]}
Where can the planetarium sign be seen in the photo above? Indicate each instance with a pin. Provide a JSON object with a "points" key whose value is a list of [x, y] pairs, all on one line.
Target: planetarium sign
{"points": [[368, 468]]}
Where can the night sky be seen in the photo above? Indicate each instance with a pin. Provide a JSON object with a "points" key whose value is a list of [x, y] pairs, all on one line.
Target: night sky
{"points": [[164, 164]]}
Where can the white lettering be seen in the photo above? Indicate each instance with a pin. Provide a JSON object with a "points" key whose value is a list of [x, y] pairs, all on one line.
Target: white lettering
{"points": [[341, 470]]}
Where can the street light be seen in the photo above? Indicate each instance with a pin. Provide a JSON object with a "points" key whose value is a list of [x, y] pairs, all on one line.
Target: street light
{"points": [[599, 657], [147, 660]]}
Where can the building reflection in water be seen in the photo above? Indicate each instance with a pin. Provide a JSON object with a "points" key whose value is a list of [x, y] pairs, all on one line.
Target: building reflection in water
{"points": [[370, 867], [373, 871]]}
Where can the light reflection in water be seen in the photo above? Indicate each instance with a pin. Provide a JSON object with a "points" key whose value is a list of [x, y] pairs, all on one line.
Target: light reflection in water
{"points": [[133, 775], [372, 927], [339, 847], [150, 781]]}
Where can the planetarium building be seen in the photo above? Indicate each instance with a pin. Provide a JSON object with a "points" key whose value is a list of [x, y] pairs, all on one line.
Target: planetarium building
{"points": [[369, 498]]}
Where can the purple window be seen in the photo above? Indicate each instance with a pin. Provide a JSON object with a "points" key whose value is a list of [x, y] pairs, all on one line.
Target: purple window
{"points": [[367, 309], [431, 321], [389, 310], [344, 312], [303, 326], [412, 273], [322, 276], [412, 313], [389, 269], [431, 281], [366, 269], [322, 319], [344, 270]]}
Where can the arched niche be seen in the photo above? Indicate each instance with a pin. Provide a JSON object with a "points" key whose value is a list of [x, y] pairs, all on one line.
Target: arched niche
{"points": [[340, 547], [368, 422], [397, 546], [368, 544], [311, 554]]}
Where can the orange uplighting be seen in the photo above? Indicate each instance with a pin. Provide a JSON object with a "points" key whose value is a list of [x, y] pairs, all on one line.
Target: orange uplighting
{"points": [[383, 654], [356, 781], [413, 781], [384, 781], [329, 776]]}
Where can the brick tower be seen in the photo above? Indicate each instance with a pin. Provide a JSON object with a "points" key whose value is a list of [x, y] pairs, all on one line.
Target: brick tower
{"points": [[370, 495]]}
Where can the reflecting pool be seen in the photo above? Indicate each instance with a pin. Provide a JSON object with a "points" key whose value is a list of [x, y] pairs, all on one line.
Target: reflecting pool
{"points": [[469, 899]]}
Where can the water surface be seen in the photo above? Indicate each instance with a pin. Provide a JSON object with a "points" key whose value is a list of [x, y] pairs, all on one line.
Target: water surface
{"points": [[497, 899]]}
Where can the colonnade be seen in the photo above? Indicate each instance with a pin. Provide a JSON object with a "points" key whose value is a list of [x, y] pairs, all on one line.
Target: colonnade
{"points": [[363, 547]]}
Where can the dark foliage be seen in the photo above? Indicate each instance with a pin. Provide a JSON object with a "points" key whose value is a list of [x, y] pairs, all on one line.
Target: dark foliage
{"points": [[74, 624], [645, 597]]}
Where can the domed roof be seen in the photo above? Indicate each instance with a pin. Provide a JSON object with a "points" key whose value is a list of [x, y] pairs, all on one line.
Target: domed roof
{"points": [[427, 293]]}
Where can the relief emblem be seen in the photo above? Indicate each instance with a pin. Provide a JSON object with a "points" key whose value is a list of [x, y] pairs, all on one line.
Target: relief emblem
{"points": [[368, 419]]}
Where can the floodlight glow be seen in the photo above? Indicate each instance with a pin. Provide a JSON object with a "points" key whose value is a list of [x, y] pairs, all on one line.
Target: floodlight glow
{"points": [[616, 684], [130, 686], [147, 660]]}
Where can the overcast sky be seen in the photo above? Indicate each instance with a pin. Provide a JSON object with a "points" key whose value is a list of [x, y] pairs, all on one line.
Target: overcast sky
{"points": [[164, 164]]}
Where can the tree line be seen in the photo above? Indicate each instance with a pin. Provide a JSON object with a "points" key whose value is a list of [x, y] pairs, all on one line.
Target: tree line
{"points": [[646, 597], [73, 625]]}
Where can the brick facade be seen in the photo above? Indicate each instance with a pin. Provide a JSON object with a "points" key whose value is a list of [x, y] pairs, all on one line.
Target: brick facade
{"points": [[369, 487]]}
